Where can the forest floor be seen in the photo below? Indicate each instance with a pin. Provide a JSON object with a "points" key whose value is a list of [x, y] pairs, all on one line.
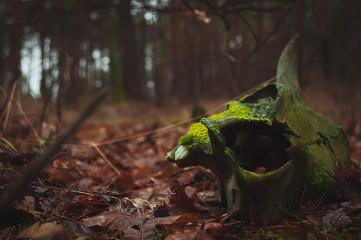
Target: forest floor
{"points": [[111, 181]]}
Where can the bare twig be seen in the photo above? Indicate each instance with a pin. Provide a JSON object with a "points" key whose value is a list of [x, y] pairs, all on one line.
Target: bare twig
{"points": [[43, 148], [3, 101], [288, 214], [106, 159], [9, 235], [7, 200], [9, 103], [249, 27], [141, 229], [265, 39], [9, 145]]}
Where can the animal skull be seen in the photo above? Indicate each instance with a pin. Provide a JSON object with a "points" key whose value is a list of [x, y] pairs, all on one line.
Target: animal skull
{"points": [[268, 146]]}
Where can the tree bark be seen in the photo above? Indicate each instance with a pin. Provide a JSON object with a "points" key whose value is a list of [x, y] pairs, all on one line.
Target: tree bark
{"points": [[177, 87], [323, 19], [128, 42], [15, 39]]}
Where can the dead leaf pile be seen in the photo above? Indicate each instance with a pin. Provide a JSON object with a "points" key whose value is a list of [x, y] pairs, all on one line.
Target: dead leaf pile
{"points": [[105, 184]]}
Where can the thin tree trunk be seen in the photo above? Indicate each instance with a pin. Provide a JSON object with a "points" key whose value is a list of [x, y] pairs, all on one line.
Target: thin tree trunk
{"points": [[141, 61], [129, 48], [44, 90], [190, 61], [103, 41], [15, 39], [323, 12], [177, 87]]}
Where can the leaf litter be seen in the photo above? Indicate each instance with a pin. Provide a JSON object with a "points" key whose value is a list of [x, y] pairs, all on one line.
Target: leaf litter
{"points": [[127, 190]]}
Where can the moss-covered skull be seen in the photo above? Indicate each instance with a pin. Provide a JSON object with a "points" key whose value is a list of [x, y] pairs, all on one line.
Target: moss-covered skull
{"points": [[268, 146]]}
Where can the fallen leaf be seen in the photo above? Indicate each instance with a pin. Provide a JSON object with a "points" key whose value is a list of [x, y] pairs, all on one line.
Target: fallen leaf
{"points": [[215, 229], [314, 220], [335, 218], [44, 231], [113, 221], [124, 182], [190, 233], [62, 178]]}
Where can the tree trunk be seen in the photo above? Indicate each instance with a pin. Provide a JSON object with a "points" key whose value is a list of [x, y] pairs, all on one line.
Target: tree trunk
{"points": [[43, 88], [141, 61], [323, 12], [128, 42], [103, 42], [177, 87], [15, 39], [190, 63]]}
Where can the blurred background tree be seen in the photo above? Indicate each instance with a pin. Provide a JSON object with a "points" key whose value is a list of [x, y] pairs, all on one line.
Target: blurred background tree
{"points": [[162, 51]]}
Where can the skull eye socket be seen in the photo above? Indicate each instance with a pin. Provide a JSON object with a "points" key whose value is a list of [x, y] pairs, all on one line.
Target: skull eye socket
{"points": [[261, 147], [269, 91]]}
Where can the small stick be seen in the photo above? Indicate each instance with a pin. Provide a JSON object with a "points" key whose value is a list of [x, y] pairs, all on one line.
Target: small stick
{"points": [[9, 145], [7, 200], [289, 214], [106, 159], [9, 104]]}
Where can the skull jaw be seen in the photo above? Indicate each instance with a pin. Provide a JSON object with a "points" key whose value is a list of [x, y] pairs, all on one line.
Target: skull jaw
{"points": [[251, 194]]}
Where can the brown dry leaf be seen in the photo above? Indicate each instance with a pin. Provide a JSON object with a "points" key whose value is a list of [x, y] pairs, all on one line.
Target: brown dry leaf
{"points": [[95, 133], [124, 182], [336, 218], [186, 176], [314, 220], [215, 229], [167, 170], [185, 198], [111, 221], [183, 219], [210, 197], [140, 172], [80, 152], [181, 199], [134, 207], [45, 231], [190, 233], [62, 178], [178, 222], [101, 171]]}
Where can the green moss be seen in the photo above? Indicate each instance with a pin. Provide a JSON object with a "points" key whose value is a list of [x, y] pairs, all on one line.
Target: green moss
{"points": [[197, 134], [311, 236], [320, 183], [234, 110], [162, 235], [187, 139]]}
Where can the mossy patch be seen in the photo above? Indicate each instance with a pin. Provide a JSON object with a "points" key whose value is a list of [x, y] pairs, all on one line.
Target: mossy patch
{"points": [[198, 133], [234, 109], [321, 183]]}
